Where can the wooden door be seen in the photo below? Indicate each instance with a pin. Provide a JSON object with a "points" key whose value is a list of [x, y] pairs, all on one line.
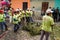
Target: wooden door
{"points": [[25, 5], [45, 6]]}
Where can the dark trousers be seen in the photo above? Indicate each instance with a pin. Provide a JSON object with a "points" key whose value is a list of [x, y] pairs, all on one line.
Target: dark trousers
{"points": [[27, 19], [19, 23], [16, 27], [46, 35], [5, 26], [31, 20], [59, 16], [1, 26]]}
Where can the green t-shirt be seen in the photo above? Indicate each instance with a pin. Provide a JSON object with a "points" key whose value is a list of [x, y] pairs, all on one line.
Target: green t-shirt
{"points": [[46, 23]]}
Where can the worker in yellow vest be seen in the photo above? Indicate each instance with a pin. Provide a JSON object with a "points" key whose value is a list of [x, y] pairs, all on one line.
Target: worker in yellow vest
{"points": [[23, 17], [47, 24], [19, 17], [31, 14], [28, 16], [2, 21], [15, 22]]}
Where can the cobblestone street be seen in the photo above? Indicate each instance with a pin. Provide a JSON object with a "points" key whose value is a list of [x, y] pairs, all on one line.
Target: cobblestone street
{"points": [[20, 35]]}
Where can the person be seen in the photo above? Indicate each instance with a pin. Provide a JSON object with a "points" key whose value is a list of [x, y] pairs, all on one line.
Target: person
{"points": [[31, 19], [15, 22], [42, 13], [1, 21], [6, 11], [19, 17], [46, 27], [4, 22], [28, 16], [10, 15], [23, 18], [53, 14], [49, 9], [57, 14]]}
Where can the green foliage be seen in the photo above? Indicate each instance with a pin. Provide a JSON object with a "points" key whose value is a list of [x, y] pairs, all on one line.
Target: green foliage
{"points": [[33, 29], [55, 33]]}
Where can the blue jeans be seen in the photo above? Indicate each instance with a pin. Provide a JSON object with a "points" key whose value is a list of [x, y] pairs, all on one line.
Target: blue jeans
{"points": [[1, 26], [4, 25]]}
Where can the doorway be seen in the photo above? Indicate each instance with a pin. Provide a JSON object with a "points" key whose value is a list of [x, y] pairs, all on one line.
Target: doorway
{"points": [[45, 6], [25, 5]]}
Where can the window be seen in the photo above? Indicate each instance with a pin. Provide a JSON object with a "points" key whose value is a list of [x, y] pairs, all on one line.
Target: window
{"points": [[25, 5]]}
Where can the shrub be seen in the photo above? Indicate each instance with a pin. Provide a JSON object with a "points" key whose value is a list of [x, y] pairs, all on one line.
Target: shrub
{"points": [[33, 29]]}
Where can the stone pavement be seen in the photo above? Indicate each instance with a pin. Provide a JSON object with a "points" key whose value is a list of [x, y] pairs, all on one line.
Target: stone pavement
{"points": [[20, 35]]}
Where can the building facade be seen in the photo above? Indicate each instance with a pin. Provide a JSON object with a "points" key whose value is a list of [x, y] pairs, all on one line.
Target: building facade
{"points": [[57, 4], [22, 4], [38, 4]]}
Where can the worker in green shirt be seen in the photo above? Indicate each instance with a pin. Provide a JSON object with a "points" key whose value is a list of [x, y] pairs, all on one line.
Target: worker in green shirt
{"points": [[28, 16], [15, 22], [19, 17], [2, 21], [23, 17], [47, 23], [31, 13]]}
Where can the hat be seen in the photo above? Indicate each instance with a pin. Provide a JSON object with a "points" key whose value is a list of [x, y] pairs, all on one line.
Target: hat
{"points": [[1, 11], [49, 11], [23, 11], [27, 11], [27, 8], [17, 10], [20, 9], [10, 8]]}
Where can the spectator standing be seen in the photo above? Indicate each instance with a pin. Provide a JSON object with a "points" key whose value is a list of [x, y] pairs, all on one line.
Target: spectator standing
{"points": [[46, 27]]}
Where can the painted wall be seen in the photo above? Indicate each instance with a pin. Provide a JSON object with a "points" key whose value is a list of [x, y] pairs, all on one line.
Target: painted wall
{"points": [[19, 3], [38, 4], [57, 3]]}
